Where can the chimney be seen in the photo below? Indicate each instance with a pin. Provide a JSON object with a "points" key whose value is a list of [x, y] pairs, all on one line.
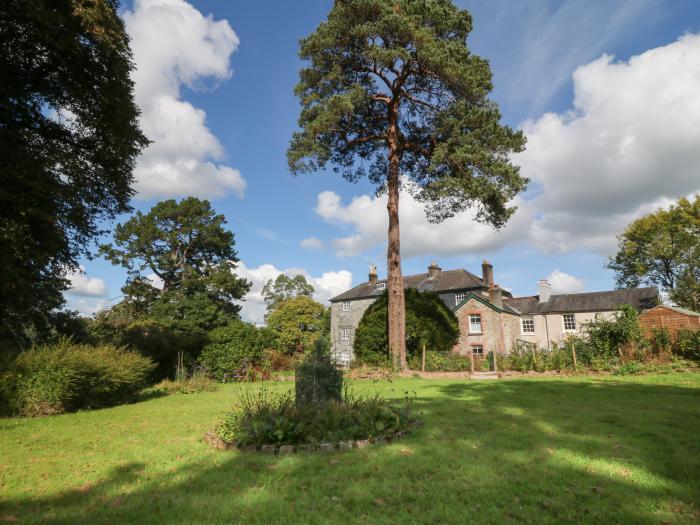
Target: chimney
{"points": [[487, 273], [372, 274], [496, 296], [544, 289], [433, 270]]}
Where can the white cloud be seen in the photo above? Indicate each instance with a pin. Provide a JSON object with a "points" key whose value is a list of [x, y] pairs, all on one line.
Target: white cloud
{"points": [[629, 146], [564, 283], [312, 243], [174, 45], [84, 286], [328, 285], [367, 216]]}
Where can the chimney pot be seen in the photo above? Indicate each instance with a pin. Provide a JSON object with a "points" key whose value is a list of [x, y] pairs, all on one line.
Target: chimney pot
{"points": [[544, 290], [433, 270], [372, 274]]}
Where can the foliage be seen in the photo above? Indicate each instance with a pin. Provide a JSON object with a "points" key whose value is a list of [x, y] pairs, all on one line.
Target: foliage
{"points": [[661, 341], [638, 367], [687, 344], [184, 244], [317, 380], [298, 323], [234, 347], [262, 418], [428, 321], [69, 139], [663, 249], [609, 336], [285, 287], [66, 376], [443, 362], [191, 385], [543, 360]]}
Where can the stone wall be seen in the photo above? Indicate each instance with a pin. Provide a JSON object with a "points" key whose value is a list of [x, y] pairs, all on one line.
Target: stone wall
{"points": [[549, 328], [342, 350]]}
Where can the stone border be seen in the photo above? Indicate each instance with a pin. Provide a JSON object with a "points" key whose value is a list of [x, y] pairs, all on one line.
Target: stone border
{"points": [[211, 438]]}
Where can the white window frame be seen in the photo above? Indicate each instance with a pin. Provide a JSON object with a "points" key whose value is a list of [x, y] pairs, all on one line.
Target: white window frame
{"points": [[564, 323], [344, 334], [459, 297], [381, 286], [346, 306], [474, 352], [471, 324], [531, 320]]}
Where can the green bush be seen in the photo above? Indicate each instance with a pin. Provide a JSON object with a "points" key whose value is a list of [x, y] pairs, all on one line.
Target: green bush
{"points": [[661, 341], [66, 376], [428, 321], [443, 362], [687, 344], [191, 385], [234, 348], [317, 380], [262, 418]]}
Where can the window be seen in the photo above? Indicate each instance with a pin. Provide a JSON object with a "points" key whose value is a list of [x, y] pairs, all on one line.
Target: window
{"points": [[569, 322], [527, 324], [345, 334], [381, 286], [477, 350], [346, 306], [475, 324], [459, 297]]}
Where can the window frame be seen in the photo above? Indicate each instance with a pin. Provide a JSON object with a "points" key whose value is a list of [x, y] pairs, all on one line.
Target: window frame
{"points": [[481, 328], [381, 286], [344, 305], [530, 319], [475, 352], [345, 334], [459, 297], [573, 321]]}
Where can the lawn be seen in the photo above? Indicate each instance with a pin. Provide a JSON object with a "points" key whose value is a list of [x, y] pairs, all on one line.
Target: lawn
{"points": [[540, 450]]}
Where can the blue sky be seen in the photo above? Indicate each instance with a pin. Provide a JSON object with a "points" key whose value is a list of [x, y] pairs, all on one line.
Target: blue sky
{"points": [[609, 139]]}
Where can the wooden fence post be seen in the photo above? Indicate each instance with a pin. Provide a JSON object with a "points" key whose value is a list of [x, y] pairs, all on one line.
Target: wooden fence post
{"points": [[423, 367], [471, 359], [573, 354]]}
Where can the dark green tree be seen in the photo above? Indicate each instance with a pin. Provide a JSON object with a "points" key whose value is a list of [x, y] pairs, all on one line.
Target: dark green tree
{"points": [[428, 321], [69, 138], [392, 92], [663, 249], [285, 287], [185, 247]]}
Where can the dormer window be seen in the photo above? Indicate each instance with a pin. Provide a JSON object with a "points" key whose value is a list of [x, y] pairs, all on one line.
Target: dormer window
{"points": [[459, 297], [381, 286]]}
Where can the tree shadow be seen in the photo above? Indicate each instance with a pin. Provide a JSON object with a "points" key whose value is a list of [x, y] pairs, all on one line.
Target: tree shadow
{"points": [[513, 451]]}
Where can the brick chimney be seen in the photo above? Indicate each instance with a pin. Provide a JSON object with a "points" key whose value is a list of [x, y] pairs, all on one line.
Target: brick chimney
{"points": [[487, 273], [496, 296], [544, 289], [372, 274], [433, 270]]}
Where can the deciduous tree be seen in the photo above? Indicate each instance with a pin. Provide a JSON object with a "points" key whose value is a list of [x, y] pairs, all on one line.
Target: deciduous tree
{"points": [[392, 92], [285, 287], [69, 138]]}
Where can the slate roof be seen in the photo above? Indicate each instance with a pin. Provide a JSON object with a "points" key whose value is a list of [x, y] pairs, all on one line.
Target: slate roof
{"points": [[640, 298], [445, 281]]}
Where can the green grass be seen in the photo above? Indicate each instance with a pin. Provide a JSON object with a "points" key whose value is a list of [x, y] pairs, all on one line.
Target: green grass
{"points": [[549, 450]]}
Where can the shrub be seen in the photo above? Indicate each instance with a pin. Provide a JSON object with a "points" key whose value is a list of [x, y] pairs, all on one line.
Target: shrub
{"points": [[66, 376], [298, 322], [687, 344], [262, 418], [235, 348], [443, 362], [317, 380], [191, 385], [661, 342], [428, 321], [608, 337]]}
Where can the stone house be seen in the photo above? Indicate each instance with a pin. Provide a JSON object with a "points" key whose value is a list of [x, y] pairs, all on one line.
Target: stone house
{"points": [[490, 318]]}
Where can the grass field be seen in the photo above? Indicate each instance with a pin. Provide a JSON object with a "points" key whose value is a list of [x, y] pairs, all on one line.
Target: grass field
{"points": [[588, 450]]}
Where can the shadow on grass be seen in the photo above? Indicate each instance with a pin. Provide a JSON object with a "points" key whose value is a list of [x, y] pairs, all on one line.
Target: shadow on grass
{"points": [[511, 451]]}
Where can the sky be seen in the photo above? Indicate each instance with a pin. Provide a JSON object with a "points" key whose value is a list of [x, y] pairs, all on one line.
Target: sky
{"points": [[606, 91]]}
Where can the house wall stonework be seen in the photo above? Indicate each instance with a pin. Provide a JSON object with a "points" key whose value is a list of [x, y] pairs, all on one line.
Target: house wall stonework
{"points": [[499, 330], [549, 328], [342, 350]]}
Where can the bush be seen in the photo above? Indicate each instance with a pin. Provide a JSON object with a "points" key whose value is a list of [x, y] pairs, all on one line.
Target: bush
{"points": [[191, 385], [65, 376], [428, 321], [317, 381], [263, 418], [661, 341], [687, 344], [298, 322], [234, 349], [443, 362]]}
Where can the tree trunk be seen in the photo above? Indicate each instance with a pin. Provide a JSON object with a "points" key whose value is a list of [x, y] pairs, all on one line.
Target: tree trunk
{"points": [[396, 316]]}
